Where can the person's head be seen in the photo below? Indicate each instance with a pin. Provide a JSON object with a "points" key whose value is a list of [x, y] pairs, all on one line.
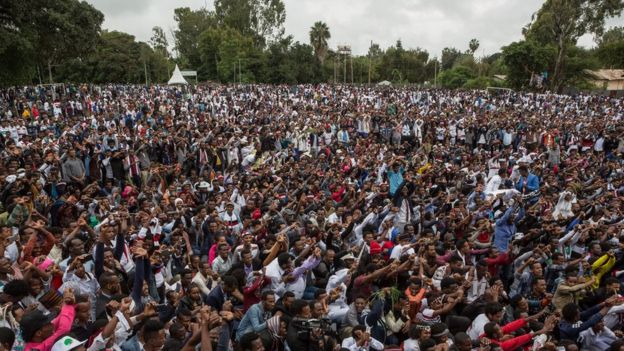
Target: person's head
{"points": [[570, 313], [76, 247], [360, 304], [109, 283], [184, 317], [536, 269], [612, 285], [284, 260], [251, 342], [571, 277], [230, 284], [82, 308], [194, 292], [186, 276], [316, 309], [456, 263], [268, 300], [153, 335], [36, 326], [494, 311], [246, 257], [448, 285], [492, 330], [524, 170], [224, 250], [67, 343], [301, 309], [463, 342], [7, 338], [5, 266], [15, 290], [539, 286], [177, 331], [428, 345], [287, 299], [109, 257]]}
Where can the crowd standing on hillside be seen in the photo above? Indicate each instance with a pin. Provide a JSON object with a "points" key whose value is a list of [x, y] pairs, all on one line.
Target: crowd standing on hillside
{"points": [[309, 218]]}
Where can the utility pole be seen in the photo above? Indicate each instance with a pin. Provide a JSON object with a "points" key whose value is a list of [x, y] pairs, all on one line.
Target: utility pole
{"points": [[344, 70], [145, 68], [369, 62], [351, 59], [39, 75], [435, 73], [50, 70]]}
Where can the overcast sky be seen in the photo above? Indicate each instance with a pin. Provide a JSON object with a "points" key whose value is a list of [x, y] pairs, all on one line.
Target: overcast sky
{"points": [[428, 24]]}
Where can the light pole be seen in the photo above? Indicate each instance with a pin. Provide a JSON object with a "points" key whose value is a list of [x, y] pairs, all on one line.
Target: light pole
{"points": [[435, 72]]}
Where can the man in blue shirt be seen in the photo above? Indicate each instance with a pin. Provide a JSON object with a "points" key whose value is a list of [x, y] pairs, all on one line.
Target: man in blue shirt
{"points": [[256, 316], [574, 322], [506, 228], [395, 176]]}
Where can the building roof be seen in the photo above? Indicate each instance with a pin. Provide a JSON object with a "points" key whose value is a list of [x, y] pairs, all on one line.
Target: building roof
{"points": [[607, 74]]}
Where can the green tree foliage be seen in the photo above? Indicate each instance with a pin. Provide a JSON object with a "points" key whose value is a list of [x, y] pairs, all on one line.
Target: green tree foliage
{"points": [[190, 25], [456, 77], [610, 50], [44, 33], [262, 20], [524, 58], [319, 34], [561, 22], [449, 56]]}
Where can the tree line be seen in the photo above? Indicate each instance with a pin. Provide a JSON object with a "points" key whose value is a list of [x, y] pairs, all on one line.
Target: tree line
{"points": [[244, 41]]}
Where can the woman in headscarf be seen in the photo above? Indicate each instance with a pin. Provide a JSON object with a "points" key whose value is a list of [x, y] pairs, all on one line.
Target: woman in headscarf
{"points": [[274, 335]]}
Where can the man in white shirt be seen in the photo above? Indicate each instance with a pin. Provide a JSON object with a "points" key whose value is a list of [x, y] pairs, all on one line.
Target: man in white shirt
{"points": [[493, 313], [361, 340], [495, 182]]}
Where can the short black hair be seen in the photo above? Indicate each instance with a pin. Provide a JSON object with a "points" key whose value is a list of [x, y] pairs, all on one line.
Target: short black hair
{"points": [[247, 339], [151, 327], [7, 337], [493, 308], [17, 288], [297, 306]]}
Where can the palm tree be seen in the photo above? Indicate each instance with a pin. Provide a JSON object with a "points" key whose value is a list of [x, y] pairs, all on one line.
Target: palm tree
{"points": [[319, 34], [473, 45]]}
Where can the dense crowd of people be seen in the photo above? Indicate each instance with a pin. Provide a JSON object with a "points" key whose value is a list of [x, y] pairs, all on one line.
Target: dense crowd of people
{"points": [[325, 217]]}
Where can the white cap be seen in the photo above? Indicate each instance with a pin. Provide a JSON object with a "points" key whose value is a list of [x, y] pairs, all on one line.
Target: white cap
{"points": [[66, 343]]}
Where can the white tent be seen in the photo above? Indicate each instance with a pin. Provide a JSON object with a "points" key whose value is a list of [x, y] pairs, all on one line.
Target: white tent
{"points": [[384, 83], [176, 77]]}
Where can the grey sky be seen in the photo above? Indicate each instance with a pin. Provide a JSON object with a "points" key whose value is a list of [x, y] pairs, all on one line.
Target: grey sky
{"points": [[428, 24]]}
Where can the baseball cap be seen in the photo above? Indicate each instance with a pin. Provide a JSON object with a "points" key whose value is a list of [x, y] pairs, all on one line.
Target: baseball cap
{"points": [[66, 343], [32, 322]]}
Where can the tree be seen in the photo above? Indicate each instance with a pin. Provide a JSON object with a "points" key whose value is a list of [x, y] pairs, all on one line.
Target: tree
{"points": [[562, 22], [186, 37], [17, 46], [455, 77], [523, 59], [473, 46], [44, 33], [612, 36], [261, 19], [449, 55], [159, 42], [65, 29], [319, 34]]}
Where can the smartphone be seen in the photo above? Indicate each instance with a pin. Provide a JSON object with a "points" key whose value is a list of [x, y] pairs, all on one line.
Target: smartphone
{"points": [[89, 257]]}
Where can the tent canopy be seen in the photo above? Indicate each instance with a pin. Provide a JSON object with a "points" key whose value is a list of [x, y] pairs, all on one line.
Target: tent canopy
{"points": [[176, 77], [384, 83]]}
